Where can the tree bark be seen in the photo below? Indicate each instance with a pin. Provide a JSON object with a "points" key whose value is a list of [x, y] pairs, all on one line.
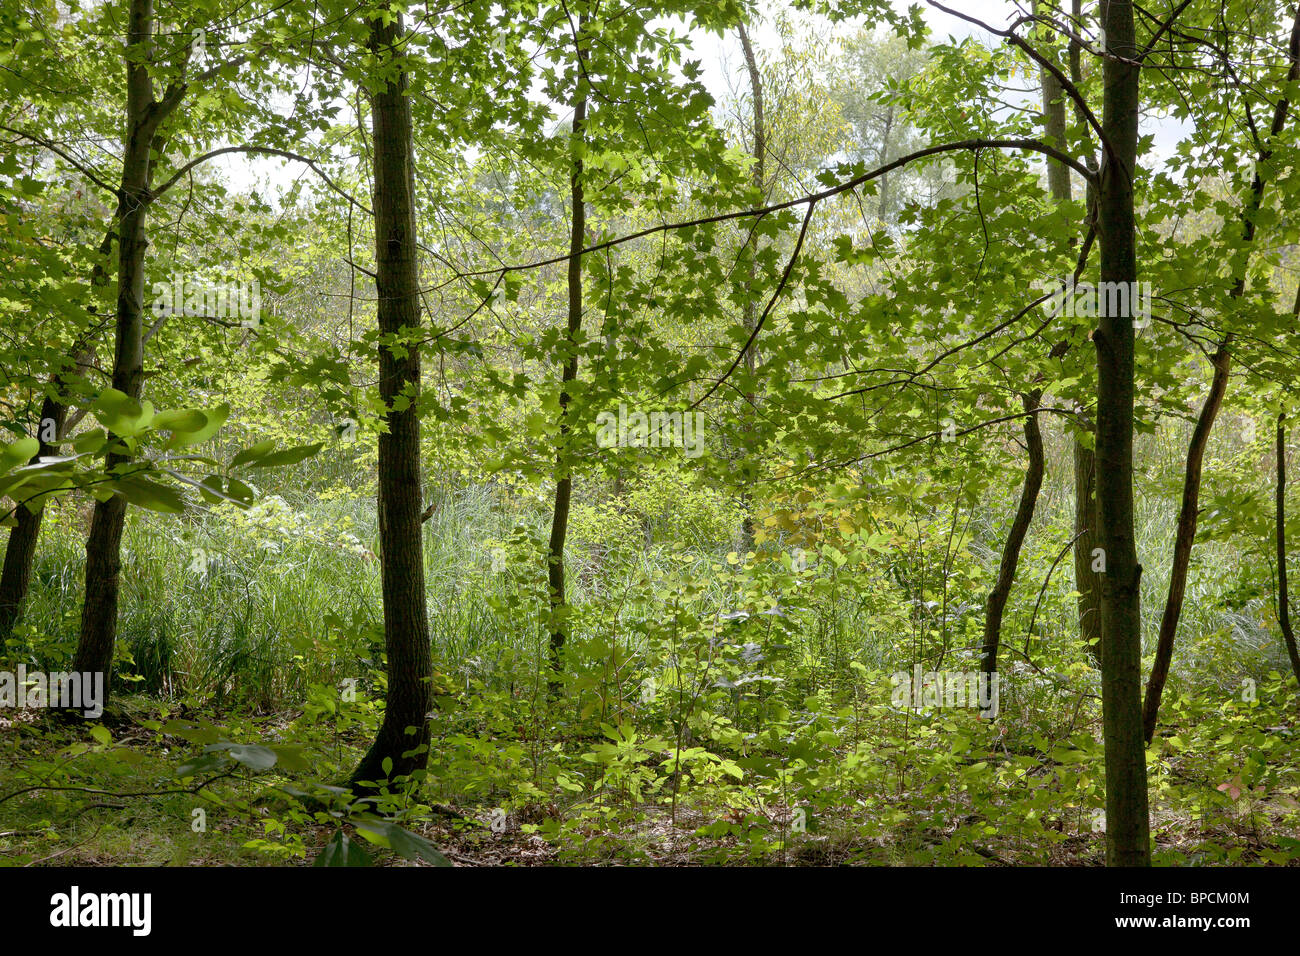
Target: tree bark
{"points": [[997, 600], [1127, 824], [103, 544], [563, 468], [403, 736]]}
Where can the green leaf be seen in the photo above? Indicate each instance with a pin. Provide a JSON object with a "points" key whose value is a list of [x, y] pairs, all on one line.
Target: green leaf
{"points": [[202, 765], [214, 418], [121, 414], [402, 842], [290, 456], [253, 453], [240, 492], [210, 489], [340, 851], [414, 847], [289, 757], [90, 442], [17, 453], [253, 756], [185, 420], [149, 494]]}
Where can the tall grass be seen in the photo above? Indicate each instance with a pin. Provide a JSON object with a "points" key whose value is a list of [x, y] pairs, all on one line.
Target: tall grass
{"points": [[214, 609]]}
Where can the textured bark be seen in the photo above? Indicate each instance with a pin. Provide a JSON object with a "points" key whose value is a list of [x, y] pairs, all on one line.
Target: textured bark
{"points": [[403, 736], [103, 544], [564, 476], [1058, 174], [1283, 592], [20, 550], [1127, 823], [1221, 362], [997, 600]]}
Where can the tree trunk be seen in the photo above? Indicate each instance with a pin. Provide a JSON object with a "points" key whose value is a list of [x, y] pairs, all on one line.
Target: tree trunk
{"points": [[563, 468], [103, 544], [882, 209], [1283, 595], [1087, 582], [750, 313], [997, 601], [1127, 824], [404, 734]]}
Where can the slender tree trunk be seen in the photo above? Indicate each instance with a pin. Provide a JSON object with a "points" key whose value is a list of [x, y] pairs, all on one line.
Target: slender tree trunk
{"points": [[1127, 824], [1058, 174], [20, 551], [997, 600], [563, 468], [1184, 538], [883, 207], [1221, 361], [103, 544], [1058, 177], [1087, 582], [404, 734], [1283, 594], [759, 173]]}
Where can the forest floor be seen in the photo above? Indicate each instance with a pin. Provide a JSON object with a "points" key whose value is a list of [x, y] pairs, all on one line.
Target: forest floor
{"points": [[97, 804]]}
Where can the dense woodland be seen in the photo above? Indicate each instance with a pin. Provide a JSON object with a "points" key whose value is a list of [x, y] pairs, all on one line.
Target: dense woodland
{"points": [[585, 432]]}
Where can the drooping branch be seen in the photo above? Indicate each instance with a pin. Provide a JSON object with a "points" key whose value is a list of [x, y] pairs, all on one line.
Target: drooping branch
{"points": [[965, 145], [262, 150], [776, 294], [77, 164]]}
